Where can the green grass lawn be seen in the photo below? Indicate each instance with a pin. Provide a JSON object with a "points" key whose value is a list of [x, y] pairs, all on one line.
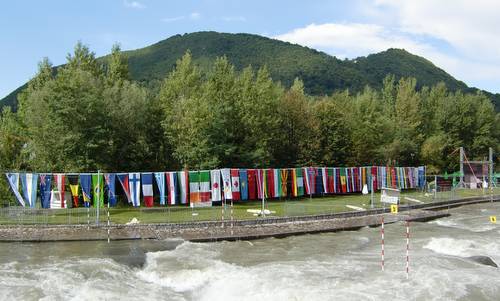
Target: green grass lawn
{"points": [[178, 214]]}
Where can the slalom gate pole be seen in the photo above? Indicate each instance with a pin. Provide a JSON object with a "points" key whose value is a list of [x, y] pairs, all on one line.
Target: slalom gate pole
{"points": [[407, 249], [108, 221], [232, 217], [88, 217], [383, 247]]}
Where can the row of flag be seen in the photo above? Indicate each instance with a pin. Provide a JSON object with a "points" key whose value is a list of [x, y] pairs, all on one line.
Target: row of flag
{"points": [[201, 188]]}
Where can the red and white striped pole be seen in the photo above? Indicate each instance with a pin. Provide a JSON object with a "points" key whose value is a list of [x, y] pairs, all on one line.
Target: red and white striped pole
{"points": [[382, 233], [407, 249]]}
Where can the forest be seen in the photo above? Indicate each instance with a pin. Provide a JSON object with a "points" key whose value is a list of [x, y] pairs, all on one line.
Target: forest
{"points": [[90, 115]]}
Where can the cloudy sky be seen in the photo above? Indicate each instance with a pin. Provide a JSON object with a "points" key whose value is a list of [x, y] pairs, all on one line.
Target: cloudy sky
{"points": [[462, 37]]}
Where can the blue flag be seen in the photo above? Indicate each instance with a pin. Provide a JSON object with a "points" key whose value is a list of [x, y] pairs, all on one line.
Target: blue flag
{"points": [[45, 180], [109, 178], [30, 182], [318, 181], [86, 182], [134, 180], [243, 184], [13, 179], [160, 182]]}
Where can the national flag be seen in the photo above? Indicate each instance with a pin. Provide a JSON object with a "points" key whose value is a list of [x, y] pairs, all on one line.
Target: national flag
{"points": [[374, 179], [252, 184], [45, 180], [134, 183], [393, 177], [324, 177], [284, 182], [235, 184], [147, 188], [110, 188], [160, 182], [421, 176], [318, 181], [226, 181], [244, 184], [57, 194], [270, 187], [194, 187], [123, 178], [98, 189], [13, 179], [30, 182], [172, 187], [73, 187], [343, 182], [299, 179], [183, 180], [331, 177], [205, 187], [216, 185], [260, 176], [86, 182]]}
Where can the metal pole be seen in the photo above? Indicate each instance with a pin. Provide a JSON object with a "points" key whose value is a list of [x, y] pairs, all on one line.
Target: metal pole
{"points": [[263, 201], [232, 218], [108, 221], [490, 174], [461, 183], [382, 234], [435, 187], [407, 249], [223, 205], [372, 198], [98, 197]]}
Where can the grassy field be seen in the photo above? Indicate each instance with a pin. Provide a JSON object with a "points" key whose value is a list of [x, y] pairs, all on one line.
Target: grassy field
{"points": [[179, 214]]}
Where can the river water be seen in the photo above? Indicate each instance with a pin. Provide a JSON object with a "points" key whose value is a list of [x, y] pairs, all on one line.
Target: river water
{"points": [[333, 266]]}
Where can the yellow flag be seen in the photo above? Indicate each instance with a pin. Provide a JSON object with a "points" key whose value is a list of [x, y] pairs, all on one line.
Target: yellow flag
{"points": [[493, 219], [394, 208]]}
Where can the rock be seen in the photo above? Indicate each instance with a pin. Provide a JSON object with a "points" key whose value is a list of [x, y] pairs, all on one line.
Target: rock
{"points": [[485, 260]]}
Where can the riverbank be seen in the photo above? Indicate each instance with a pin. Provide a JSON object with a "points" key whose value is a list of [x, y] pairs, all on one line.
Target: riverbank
{"points": [[237, 230]]}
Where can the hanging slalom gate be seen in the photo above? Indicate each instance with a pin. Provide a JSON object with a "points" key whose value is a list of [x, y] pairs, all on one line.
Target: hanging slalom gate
{"points": [[407, 255]]}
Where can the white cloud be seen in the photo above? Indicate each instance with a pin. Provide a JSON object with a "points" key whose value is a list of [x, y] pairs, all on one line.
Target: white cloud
{"points": [[173, 19], [194, 15], [133, 4]]}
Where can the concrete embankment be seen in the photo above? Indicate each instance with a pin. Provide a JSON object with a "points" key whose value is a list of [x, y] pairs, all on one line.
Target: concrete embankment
{"points": [[238, 230]]}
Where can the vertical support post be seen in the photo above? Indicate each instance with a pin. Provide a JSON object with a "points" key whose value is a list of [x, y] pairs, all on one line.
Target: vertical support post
{"points": [[88, 217], [372, 197], [223, 205], [407, 249], [461, 183], [435, 187], [263, 197], [383, 243], [108, 221]]}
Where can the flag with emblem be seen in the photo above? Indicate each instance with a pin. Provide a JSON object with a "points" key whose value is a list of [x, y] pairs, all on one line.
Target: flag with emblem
{"points": [[109, 179], [86, 183], [226, 183], [98, 190], [216, 186], [284, 182], [57, 193], [252, 184], [243, 184], [123, 179], [235, 184]]}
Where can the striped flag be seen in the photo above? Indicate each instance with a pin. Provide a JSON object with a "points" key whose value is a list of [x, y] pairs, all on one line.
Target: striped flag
{"points": [[194, 187], [299, 182], [13, 179], [147, 188], [235, 184], [57, 194], [205, 187], [160, 182], [260, 182], [324, 175], [216, 185], [172, 187], [74, 188], [183, 180], [134, 183], [30, 182]]}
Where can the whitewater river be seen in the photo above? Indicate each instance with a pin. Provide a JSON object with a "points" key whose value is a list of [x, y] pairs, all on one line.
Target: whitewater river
{"points": [[334, 266]]}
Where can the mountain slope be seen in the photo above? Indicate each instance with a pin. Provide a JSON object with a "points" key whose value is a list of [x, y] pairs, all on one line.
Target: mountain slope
{"points": [[321, 73]]}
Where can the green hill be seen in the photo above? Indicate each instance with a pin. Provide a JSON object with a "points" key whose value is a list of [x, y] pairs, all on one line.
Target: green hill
{"points": [[320, 72]]}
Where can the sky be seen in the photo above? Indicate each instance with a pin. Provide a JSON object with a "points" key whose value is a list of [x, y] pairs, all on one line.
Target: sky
{"points": [[461, 37]]}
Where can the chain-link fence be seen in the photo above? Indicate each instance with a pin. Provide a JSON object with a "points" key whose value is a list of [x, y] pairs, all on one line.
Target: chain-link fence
{"points": [[437, 189]]}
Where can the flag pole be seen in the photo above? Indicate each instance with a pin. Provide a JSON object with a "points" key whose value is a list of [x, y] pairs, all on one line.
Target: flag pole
{"points": [[98, 196]]}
